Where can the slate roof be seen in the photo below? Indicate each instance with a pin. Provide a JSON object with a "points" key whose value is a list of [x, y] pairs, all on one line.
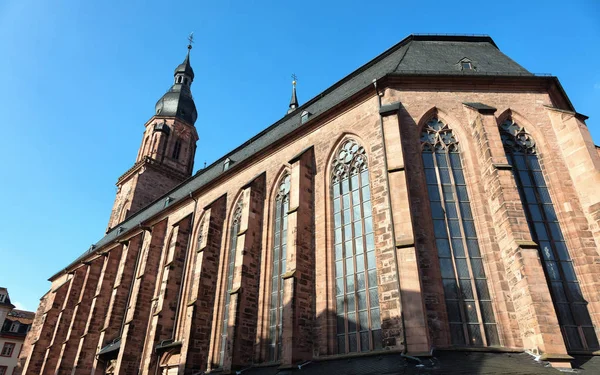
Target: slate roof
{"points": [[442, 362], [414, 55]]}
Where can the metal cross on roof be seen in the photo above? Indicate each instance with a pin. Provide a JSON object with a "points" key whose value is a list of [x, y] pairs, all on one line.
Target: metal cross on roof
{"points": [[190, 39], [294, 78]]}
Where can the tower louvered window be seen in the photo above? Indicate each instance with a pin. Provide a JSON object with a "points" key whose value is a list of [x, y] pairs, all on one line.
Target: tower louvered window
{"points": [[177, 149], [466, 293], [357, 300], [571, 307], [235, 229], [282, 204]]}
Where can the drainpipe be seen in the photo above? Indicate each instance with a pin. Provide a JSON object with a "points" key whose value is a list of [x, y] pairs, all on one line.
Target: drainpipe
{"points": [[387, 182]]}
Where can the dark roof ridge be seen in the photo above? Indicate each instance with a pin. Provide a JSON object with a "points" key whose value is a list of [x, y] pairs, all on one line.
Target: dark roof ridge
{"points": [[475, 38]]}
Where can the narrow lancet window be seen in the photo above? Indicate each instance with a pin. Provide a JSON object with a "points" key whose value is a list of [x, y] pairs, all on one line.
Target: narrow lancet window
{"points": [[177, 149], [282, 203], [571, 307], [468, 301], [235, 229], [357, 299]]}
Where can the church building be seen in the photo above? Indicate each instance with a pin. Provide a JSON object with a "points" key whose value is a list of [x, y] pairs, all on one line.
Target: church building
{"points": [[439, 199]]}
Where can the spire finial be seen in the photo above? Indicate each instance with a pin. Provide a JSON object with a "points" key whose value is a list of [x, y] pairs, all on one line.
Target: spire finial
{"points": [[190, 39], [294, 100]]}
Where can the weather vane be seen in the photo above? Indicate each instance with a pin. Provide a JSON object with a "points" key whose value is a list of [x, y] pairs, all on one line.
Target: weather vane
{"points": [[190, 39]]}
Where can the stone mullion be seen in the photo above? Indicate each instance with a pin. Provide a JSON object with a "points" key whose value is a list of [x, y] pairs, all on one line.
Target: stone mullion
{"points": [[163, 317], [49, 316], [519, 254], [98, 306], [411, 290], [63, 322], [199, 308], [133, 335], [115, 312], [243, 306], [299, 278], [79, 318]]}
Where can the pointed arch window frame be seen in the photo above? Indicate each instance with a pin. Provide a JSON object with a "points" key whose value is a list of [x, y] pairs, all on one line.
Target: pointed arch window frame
{"points": [[470, 289], [278, 267], [356, 280], [543, 221], [234, 230]]}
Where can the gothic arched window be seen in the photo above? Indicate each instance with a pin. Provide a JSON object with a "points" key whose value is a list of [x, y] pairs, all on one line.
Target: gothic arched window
{"points": [[571, 308], [282, 204], [468, 301], [235, 229], [357, 299]]}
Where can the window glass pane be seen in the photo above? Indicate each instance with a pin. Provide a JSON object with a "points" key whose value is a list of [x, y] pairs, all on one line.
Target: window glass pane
{"points": [[360, 281], [525, 180], [487, 312], [457, 334], [561, 250], [447, 268], [568, 270], [430, 176], [482, 289], [428, 160], [455, 161], [451, 211], [465, 211], [439, 227], [433, 192], [461, 190], [555, 231], [444, 176], [358, 245], [469, 226], [475, 334], [367, 209], [454, 227], [470, 311], [366, 193], [466, 290], [459, 178], [443, 248], [436, 210], [370, 242], [375, 322], [530, 195], [458, 248], [473, 247], [549, 212], [441, 160], [462, 269], [491, 333], [450, 290], [544, 195], [373, 297]]}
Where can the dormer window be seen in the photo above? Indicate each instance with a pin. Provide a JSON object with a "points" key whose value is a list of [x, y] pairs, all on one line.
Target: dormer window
{"points": [[466, 65], [226, 164], [304, 116], [2, 297]]}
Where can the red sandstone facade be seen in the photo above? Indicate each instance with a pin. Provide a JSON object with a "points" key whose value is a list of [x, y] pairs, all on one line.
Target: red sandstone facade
{"points": [[154, 297]]}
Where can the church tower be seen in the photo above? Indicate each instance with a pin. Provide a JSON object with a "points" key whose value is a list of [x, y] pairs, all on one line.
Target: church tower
{"points": [[166, 155]]}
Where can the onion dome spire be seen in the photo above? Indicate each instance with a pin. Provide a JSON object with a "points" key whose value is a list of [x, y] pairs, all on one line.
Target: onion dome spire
{"points": [[294, 100], [178, 101]]}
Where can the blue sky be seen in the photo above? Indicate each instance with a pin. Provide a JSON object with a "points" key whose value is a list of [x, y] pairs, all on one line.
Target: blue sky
{"points": [[78, 80]]}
